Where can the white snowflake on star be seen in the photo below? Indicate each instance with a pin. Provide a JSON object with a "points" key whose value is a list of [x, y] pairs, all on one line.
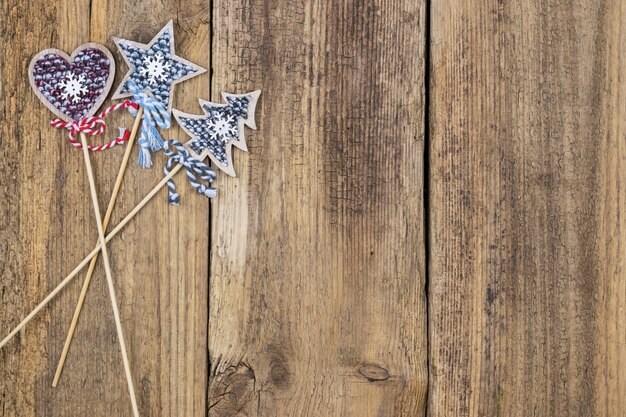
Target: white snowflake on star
{"points": [[222, 127], [154, 68], [73, 87]]}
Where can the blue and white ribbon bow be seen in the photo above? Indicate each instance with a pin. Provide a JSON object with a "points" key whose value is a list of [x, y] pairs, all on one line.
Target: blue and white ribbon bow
{"points": [[194, 168], [154, 114]]}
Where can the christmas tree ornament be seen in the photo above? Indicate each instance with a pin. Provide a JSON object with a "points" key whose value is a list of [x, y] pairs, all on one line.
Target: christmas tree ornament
{"points": [[221, 127]]}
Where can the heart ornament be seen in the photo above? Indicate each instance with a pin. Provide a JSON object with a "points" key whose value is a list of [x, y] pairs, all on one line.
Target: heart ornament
{"points": [[73, 87]]}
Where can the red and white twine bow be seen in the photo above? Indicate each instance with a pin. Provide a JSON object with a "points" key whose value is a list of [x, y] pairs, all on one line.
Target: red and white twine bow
{"points": [[95, 125]]}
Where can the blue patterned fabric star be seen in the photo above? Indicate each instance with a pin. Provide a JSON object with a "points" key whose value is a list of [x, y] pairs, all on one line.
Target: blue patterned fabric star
{"points": [[154, 67], [220, 127]]}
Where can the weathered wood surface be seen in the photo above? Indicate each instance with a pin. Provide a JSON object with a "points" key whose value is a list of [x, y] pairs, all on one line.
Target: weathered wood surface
{"points": [[316, 251], [317, 268], [301, 290], [527, 175], [160, 262]]}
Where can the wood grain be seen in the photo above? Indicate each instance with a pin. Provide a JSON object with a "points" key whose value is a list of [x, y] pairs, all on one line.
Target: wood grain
{"points": [[527, 291], [317, 250], [317, 255], [160, 262]]}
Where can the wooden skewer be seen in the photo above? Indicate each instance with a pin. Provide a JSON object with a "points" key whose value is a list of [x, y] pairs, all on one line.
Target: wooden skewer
{"points": [[92, 265], [107, 269], [93, 253]]}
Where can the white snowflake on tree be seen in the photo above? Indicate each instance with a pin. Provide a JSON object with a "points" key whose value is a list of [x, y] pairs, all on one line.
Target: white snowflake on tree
{"points": [[154, 68], [73, 87], [222, 127]]}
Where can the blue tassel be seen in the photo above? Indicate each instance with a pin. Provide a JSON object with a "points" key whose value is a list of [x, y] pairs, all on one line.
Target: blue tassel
{"points": [[154, 114], [144, 158]]}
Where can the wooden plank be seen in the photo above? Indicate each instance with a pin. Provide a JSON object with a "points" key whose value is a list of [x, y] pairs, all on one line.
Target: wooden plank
{"points": [[41, 178], [527, 289], [160, 262], [317, 261]]}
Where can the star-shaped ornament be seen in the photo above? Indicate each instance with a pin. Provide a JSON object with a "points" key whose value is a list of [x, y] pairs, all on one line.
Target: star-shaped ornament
{"points": [[221, 127], [154, 67]]}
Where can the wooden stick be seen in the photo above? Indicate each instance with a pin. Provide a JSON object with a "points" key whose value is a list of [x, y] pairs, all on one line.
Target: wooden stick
{"points": [[93, 253], [92, 265], [107, 269]]}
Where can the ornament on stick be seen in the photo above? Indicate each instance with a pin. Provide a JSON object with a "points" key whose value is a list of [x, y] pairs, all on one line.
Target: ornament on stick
{"points": [[220, 127], [154, 69], [73, 88]]}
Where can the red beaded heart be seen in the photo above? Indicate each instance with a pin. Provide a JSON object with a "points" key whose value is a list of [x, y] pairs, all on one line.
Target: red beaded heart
{"points": [[73, 87]]}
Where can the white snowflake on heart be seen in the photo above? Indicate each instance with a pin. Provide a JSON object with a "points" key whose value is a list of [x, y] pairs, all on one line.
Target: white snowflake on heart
{"points": [[73, 87], [222, 126], [154, 68]]}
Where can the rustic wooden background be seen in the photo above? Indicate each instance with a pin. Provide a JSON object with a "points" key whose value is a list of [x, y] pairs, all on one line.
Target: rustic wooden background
{"points": [[428, 223]]}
